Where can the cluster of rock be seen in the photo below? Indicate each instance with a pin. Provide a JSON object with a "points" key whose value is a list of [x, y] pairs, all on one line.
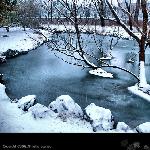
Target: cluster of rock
{"points": [[64, 107], [13, 53]]}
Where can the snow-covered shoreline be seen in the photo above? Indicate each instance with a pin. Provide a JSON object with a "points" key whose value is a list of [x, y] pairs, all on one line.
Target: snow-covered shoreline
{"points": [[62, 116], [17, 41], [41, 119], [107, 30], [38, 118]]}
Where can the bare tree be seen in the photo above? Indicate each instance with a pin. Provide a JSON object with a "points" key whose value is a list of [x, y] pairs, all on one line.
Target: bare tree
{"points": [[100, 6], [48, 10], [29, 13], [76, 46], [140, 40], [136, 15], [7, 11], [128, 6]]}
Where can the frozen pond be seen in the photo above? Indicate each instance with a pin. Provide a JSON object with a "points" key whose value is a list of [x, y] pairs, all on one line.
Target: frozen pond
{"points": [[42, 74]]}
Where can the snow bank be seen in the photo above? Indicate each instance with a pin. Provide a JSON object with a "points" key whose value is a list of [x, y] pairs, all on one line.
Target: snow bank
{"points": [[26, 102], [135, 90], [20, 40], [40, 119], [102, 73], [100, 118], [3, 96], [143, 128], [107, 30], [14, 120], [66, 107]]}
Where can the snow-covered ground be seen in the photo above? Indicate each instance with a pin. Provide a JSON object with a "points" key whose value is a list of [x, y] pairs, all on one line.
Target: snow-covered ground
{"points": [[20, 40], [107, 30]]}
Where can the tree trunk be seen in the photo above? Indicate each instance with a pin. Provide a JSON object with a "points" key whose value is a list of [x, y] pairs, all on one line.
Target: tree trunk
{"points": [[7, 29], [103, 13], [137, 11], [130, 24], [128, 6], [142, 76], [142, 49], [51, 11]]}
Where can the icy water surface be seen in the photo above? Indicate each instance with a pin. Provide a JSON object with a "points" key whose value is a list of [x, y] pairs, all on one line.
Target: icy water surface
{"points": [[42, 74]]}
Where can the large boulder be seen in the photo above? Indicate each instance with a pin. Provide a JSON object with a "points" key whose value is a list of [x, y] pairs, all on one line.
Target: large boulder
{"points": [[41, 111], [26, 102], [143, 128], [66, 107], [99, 117]]}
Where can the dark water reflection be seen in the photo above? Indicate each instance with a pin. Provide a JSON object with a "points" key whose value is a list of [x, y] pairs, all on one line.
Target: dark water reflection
{"points": [[42, 74]]}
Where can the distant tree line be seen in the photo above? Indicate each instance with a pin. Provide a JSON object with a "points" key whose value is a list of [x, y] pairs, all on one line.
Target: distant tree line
{"points": [[6, 11]]}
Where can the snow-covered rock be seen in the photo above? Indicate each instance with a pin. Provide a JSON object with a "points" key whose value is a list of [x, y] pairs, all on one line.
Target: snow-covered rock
{"points": [[2, 59], [123, 127], [102, 73], [3, 95], [26, 102], [41, 111], [100, 118], [143, 128], [66, 107]]}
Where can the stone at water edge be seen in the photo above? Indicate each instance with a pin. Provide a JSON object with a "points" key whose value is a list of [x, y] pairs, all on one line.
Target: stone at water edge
{"points": [[100, 118], [41, 111], [143, 128], [121, 126], [26, 102], [66, 107], [2, 59], [1, 77]]}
